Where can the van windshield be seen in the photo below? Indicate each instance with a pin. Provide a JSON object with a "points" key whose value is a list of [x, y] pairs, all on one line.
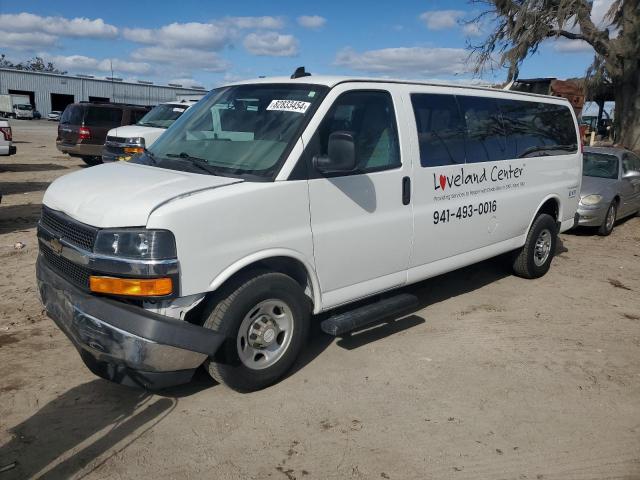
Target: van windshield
{"points": [[24, 107], [243, 130], [162, 116]]}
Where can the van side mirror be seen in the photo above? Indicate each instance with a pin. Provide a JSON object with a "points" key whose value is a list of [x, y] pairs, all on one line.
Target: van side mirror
{"points": [[341, 154]]}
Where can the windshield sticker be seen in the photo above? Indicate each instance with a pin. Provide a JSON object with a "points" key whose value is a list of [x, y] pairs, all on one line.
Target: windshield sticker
{"points": [[289, 106]]}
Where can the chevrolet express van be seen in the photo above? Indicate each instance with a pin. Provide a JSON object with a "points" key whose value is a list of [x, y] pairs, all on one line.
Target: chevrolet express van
{"points": [[273, 200]]}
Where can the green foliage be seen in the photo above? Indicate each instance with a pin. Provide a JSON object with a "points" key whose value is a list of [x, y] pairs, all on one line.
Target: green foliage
{"points": [[35, 64]]}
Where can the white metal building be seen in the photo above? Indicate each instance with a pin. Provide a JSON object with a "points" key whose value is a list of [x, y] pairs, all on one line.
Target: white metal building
{"points": [[49, 91]]}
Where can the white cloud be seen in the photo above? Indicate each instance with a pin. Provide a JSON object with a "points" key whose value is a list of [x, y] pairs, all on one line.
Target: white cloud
{"points": [[57, 26], [473, 29], [26, 40], [441, 19], [193, 35], [312, 21], [186, 82], [406, 61], [564, 45], [181, 58], [270, 23], [271, 44], [81, 63]]}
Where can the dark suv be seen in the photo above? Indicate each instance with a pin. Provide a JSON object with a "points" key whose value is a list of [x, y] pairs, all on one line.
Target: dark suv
{"points": [[83, 127]]}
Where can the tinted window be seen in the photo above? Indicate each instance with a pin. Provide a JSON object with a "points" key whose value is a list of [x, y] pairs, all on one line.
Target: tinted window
{"points": [[440, 129], [103, 116], [485, 139], [630, 162], [72, 115], [370, 118], [137, 115], [600, 165], [535, 128]]}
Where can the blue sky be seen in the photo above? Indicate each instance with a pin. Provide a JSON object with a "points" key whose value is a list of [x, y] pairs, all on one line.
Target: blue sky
{"points": [[208, 43]]}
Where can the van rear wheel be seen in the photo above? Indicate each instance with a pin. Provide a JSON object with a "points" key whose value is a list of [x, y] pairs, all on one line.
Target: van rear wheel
{"points": [[534, 259], [265, 320]]}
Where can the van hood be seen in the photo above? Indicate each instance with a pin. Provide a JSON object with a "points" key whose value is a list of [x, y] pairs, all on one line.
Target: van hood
{"points": [[150, 134], [123, 194]]}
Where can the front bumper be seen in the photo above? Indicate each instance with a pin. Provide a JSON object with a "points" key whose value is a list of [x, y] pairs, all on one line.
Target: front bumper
{"points": [[121, 342], [591, 217]]}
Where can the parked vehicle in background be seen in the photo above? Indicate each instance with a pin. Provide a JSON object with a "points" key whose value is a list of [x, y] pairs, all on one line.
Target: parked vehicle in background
{"points": [[275, 199], [23, 111], [6, 106], [6, 139], [54, 116], [83, 127], [37, 115], [124, 142], [610, 187]]}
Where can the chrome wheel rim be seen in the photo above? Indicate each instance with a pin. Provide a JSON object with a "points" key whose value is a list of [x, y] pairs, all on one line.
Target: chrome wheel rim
{"points": [[611, 217], [265, 334], [542, 249]]}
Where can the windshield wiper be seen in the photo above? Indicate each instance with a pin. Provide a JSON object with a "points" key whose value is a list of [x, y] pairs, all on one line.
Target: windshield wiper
{"points": [[197, 162], [547, 148], [151, 124]]}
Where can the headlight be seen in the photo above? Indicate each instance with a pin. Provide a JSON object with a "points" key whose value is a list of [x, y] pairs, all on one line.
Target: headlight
{"points": [[591, 199], [136, 244], [135, 141]]}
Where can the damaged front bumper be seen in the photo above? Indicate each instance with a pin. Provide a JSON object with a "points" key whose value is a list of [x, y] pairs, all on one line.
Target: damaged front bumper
{"points": [[124, 343]]}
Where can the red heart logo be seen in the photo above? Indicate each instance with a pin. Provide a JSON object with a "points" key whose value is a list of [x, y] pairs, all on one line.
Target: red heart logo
{"points": [[443, 181]]}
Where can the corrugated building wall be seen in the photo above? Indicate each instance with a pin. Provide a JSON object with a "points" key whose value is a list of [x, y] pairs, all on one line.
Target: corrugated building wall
{"points": [[46, 87]]}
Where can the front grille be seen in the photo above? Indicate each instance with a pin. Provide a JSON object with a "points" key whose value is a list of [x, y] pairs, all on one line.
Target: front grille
{"points": [[74, 232], [116, 139], [76, 274]]}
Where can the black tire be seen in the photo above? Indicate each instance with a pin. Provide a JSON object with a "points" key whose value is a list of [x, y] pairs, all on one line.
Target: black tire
{"points": [[607, 225], [529, 262], [232, 306], [92, 161]]}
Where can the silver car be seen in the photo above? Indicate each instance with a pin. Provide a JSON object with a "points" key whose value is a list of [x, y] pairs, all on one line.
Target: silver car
{"points": [[610, 187]]}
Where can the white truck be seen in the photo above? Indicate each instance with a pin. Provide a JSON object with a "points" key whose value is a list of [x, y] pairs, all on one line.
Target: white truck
{"points": [[277, 199], [124, 142], [6, 139], [9, 104]]}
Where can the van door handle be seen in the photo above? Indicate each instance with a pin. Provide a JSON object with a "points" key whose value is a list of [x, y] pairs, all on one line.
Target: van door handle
{"points": [[406, 190]]}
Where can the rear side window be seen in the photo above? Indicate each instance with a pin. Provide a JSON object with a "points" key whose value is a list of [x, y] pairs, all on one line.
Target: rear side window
{"points": [[369, 116], [103, 116], [630, 162], [455, 129], [72, 115], [486, 140], [440, 129], [535, 128]]}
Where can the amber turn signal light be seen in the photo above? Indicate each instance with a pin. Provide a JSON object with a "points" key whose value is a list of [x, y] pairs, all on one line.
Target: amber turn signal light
{"points": [[133, 149], [135, 287]]}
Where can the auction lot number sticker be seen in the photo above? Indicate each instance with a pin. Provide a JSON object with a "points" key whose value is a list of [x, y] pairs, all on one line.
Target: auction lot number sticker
{"points": [[289, 106]]}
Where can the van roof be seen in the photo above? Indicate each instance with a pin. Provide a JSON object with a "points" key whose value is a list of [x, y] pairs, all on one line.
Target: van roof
{"points": [[331, 81]]}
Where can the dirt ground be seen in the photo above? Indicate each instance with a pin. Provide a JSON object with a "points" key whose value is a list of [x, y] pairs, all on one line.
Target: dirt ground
{"points": [[494, 377]]}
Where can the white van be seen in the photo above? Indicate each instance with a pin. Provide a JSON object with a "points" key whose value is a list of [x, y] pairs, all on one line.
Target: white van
{"points": [[273, 200], [124, 142]]}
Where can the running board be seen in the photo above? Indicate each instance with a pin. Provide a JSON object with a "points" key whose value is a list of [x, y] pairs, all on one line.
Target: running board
{"points": [[342, 323]]}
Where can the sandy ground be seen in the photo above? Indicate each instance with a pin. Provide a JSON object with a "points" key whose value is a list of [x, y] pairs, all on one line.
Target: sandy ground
{"points": [[495, 377]]}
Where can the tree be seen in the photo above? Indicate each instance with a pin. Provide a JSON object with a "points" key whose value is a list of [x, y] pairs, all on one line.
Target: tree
{"points": [[36, 64], [522, 25]]}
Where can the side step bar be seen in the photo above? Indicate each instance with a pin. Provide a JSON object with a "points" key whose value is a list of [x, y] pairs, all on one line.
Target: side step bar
{"points": [[342, 323]]}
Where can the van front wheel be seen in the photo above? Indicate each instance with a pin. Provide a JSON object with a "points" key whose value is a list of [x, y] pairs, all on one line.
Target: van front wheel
{"points": [[265, 320], [534, 259]]}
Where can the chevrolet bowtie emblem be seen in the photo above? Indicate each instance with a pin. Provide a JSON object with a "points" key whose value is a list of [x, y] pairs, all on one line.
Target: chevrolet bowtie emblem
{"points": [[56, 246]]}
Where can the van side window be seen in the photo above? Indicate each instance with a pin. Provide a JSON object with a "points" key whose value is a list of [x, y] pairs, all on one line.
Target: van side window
{"points": [[630, 162], [369, 116], [486, 140], [535, 128], [440, 129]]}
